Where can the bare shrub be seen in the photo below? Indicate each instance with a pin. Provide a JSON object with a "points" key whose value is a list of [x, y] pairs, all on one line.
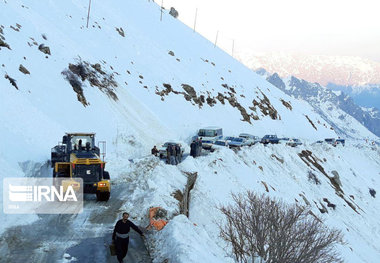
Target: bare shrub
{"points": [[261, 229]]}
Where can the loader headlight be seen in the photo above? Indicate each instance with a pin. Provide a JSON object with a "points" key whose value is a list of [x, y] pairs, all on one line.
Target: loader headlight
{"points": [[102, 184]]}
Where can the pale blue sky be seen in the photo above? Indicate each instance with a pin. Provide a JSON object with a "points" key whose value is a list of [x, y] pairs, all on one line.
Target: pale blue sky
{"points": [[333, 27]]}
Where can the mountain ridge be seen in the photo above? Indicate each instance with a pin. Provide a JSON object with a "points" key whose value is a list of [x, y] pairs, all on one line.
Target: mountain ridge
{"points": [[325, 100], [351, 71]]}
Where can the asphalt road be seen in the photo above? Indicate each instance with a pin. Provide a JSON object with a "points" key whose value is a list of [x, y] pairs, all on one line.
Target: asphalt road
{"points": [[61, 238]]}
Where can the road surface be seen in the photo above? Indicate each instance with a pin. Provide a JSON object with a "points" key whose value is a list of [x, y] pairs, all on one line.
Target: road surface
{"points": [[64, 238]]}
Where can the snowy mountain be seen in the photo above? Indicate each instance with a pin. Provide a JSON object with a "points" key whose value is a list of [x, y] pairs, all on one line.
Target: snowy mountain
{"points": [[339, 70], [137, 82], [357, 77], [367, 96], [329, 104]]}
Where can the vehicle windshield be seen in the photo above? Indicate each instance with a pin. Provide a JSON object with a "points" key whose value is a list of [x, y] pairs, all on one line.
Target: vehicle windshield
{"points": [[221, 143], [166, 144], [237, 139], [229, 138], [206, 133], [81, 140]]}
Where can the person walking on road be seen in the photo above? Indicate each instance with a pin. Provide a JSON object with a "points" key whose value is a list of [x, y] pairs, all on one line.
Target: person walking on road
{"points": [[120, 236]]}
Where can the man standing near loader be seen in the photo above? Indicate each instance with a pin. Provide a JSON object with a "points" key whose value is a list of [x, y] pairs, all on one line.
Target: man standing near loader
{"points": [[121, 236], [155, 151]]}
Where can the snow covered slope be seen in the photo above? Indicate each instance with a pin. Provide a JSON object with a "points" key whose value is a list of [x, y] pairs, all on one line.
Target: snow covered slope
{"points": [[157, 95], [145, 110], [136, 82], [281, 173]]}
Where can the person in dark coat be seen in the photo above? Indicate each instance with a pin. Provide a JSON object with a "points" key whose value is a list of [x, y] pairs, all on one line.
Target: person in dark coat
{"points": [[198, 146], [121, 236], [193, 149], [155, 151], [172, 153], [178, 154], [168, 154]]}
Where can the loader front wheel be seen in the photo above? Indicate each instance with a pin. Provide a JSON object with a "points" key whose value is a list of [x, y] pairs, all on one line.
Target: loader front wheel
{"points": [[103, 196]]}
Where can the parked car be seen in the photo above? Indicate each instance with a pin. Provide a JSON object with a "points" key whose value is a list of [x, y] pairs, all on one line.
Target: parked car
{"points": [[257, 139], [251, 139], [162, 150], [294, 142], [283, 140], [210, 132], [206, 144], [238, 142], [209, 135], [219, 144], [228, 138], [331, 141], [270, 139], [317, 142], [340, 141]]}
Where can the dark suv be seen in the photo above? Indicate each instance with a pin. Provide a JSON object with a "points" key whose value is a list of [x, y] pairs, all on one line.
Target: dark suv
{"points": [[270, 139]]}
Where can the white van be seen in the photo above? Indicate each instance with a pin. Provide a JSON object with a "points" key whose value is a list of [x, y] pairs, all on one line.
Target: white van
{"points": [[209, 135]]}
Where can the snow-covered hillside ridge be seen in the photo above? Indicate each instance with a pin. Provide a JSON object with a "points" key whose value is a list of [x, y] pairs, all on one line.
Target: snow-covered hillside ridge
{"points": [[298, 175], [143, 80], [337, 108], [324, 69], [137, 81]]}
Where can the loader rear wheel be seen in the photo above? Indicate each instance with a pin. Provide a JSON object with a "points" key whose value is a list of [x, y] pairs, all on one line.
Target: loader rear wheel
{"points": [[103, 196]]}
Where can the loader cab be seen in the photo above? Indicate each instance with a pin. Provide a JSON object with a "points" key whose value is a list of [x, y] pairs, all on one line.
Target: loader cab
{"points": [[77, 142]]}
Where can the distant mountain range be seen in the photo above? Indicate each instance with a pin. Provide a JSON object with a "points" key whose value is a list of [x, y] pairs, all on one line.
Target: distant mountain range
{"points": [[366, 96], [355, 76], [340, 70], [328, 103]]}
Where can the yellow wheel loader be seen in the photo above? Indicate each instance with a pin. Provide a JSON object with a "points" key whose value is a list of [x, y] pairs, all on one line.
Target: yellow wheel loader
{"points": [[77, 156]]}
